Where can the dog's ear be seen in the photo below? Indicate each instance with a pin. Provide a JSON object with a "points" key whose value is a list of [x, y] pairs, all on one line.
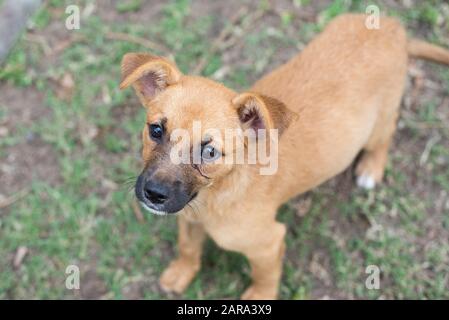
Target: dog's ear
{"points": [[257, 111], [148, 74]]}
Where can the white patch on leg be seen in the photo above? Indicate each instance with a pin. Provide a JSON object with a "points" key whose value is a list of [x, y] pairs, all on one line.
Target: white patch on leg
{"points": [[366, 181]]}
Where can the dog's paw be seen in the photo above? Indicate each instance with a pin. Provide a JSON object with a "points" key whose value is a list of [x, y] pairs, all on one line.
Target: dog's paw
{"points": [[178, 275], [255, 293], [369, 172], [366, 182]]}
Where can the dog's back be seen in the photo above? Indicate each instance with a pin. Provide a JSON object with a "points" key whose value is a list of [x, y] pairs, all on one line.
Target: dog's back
{"points": [[345, 57], [346, 87]]}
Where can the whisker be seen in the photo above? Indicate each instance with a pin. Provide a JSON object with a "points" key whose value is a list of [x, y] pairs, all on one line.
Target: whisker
{"points": [[128, 183]]}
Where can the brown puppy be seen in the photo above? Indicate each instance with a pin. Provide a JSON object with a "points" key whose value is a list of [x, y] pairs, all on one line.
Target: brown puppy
{"points": [[345, 87]]}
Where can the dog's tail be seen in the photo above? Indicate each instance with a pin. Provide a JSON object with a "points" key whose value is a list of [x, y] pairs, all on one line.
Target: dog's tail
{"points": [[424, 50]]}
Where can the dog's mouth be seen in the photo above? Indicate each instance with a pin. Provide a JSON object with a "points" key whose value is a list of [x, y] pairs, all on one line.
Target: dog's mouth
{"points": [[152, 210]]}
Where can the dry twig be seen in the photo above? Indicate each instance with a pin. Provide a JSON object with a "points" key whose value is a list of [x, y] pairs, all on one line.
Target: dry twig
{"points": [[20, 255], [138, 211], [15, 197], [136, 40], [227, 36]]}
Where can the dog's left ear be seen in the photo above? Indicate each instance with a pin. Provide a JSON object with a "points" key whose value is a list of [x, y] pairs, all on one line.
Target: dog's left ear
{"points": [[257, 111], [148, 74]]}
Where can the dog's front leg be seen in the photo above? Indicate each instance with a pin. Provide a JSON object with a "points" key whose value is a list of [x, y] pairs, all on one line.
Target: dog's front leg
{"points": [[183, 269], [266, 263]]}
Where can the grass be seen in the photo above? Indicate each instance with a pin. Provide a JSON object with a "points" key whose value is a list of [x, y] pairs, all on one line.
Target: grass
{"points": [[83, 215]]}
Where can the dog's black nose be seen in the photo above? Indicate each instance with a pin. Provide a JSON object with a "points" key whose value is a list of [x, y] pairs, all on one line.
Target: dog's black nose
{"points": [[156, 192]]}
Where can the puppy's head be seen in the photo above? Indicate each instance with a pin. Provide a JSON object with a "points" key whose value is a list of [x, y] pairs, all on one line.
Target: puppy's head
{"points": [[184, 148]]}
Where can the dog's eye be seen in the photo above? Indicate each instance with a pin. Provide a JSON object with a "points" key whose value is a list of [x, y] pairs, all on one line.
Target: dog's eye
{"points": [[209, 153], [156, 131]]}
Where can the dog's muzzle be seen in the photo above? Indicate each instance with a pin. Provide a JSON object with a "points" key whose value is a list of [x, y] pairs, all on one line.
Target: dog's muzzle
{"points": [[161, 197]]}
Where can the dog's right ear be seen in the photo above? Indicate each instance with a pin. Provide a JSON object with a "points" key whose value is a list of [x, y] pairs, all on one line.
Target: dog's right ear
{"points": [[148, 74]]}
